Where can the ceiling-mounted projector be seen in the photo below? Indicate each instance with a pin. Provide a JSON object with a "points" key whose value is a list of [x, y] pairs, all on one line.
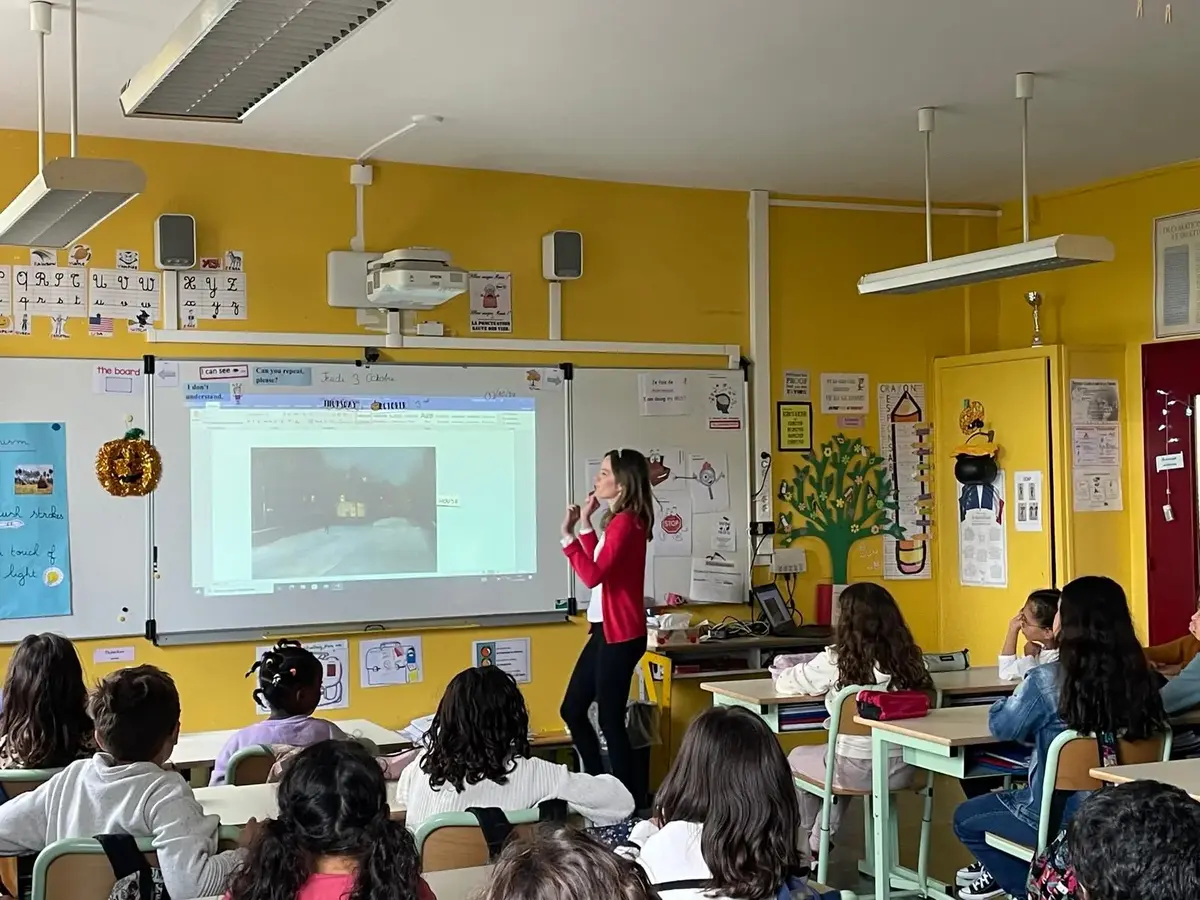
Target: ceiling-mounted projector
{"points": [[415, 278]]}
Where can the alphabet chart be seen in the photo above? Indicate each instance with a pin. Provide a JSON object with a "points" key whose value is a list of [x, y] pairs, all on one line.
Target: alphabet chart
{"points": [[121, 293], [56, 291], [212, 295], [6, 292]]}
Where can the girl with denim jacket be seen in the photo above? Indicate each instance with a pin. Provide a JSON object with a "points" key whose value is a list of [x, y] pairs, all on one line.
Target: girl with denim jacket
{"points": [[1101, 684]]}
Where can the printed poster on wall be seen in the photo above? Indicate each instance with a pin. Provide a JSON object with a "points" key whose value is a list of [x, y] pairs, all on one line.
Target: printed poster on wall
{"points": [[1177, 274], [795, 384], [491, 302], [843, 393], [511, 655], [1028, 488], [982, 544], [724, 403], [905, 444], [1096, 490], [334, 657], [663, 394], [35, 576], [390, 661]]}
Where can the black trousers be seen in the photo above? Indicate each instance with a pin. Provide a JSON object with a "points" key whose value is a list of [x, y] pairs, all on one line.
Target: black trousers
{"points": [[603, 673]]}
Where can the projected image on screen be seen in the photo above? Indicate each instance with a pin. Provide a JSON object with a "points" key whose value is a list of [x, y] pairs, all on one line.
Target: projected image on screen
{"points": [[320, 512]]}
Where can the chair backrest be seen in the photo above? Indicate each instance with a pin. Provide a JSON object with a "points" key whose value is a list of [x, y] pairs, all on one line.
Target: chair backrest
{"points": [[77, 869], [1079, 755], [250, 765], [454, 840], [12, 783]]}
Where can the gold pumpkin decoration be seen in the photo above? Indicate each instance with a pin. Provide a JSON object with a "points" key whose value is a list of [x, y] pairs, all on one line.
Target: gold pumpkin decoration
{"points": [[129, 466]]}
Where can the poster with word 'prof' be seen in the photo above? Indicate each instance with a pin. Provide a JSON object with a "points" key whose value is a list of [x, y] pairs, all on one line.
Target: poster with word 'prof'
{"points": [[334, 657], [35, 575]]}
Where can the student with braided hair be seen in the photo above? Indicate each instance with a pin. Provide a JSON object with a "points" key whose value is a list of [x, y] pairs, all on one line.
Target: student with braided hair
{"points": [[289, 685]]}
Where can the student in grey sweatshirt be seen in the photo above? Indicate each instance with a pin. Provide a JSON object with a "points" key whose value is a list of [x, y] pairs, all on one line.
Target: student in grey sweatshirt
{"points": [[126, 789], [1183, 691]]}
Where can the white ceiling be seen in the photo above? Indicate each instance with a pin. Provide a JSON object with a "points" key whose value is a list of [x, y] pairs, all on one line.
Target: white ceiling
{"points": [[800, 96]]}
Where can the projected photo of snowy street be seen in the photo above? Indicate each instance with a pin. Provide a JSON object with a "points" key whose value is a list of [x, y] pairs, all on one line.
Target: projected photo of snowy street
{"points": [[321, 512]]}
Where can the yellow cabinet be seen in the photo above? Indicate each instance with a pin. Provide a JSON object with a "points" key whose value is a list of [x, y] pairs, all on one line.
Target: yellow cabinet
{"points": [[1026, 395]]}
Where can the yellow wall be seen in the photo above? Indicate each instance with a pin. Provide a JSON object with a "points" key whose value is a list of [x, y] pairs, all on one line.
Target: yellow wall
{"points": [[1107, 304], [663, 264], [820, 324]]}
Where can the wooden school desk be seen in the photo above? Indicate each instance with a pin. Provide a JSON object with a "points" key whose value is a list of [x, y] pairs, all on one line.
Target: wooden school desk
{"points": [[1181, 773], [937, 743], [237, 804]]}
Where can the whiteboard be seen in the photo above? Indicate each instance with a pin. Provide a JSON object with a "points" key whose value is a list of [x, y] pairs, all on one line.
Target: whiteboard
{"points": [[317, 496], [109, 544], [606, 407]]}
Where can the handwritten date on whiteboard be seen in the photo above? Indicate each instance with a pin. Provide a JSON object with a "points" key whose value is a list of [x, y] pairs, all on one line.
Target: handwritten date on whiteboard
{"points": [[215, 295], [123, 293], [58, 291]]}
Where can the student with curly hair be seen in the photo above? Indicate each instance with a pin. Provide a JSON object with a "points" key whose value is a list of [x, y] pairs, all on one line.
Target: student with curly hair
{"points": [[44, 723], [334, 837], [1136, 841], [725, 819], [564, 864], [873, 647], [477, 753], [289, 685], [1101, 685]]}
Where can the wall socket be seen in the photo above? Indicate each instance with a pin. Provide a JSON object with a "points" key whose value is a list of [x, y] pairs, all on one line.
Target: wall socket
{"points": [[789, 561]]}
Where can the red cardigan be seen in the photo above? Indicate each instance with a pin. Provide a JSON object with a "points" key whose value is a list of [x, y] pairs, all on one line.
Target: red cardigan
{"points": [[620, 569]]}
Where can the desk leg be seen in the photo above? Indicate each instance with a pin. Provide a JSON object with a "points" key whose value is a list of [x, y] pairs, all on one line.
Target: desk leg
{"points": [[881, 809]]}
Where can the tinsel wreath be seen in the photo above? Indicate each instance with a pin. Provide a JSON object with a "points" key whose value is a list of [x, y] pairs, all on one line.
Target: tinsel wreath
{"points": [[129, 466]]}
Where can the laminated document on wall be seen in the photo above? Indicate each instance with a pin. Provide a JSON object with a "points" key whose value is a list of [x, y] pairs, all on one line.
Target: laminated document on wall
{"points": [[716, 580]]}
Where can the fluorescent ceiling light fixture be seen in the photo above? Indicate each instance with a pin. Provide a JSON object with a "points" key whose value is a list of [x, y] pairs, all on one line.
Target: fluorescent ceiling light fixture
{"points": [[68, 198], [1027, 258], [1058, 252], [228, 56]]}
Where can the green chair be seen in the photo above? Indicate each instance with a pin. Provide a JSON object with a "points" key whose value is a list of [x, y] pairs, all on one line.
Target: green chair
{"points": [[843, 709], [1069, 762], [250, 765], [455, 840], [12, 783]]}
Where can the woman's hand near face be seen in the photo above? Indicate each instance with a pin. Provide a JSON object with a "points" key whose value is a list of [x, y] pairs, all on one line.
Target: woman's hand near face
{"points": [[590, 505], [570, 520]]}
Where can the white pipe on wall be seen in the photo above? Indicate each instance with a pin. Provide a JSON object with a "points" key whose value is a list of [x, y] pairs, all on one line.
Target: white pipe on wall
{"points": [[760, 353]]}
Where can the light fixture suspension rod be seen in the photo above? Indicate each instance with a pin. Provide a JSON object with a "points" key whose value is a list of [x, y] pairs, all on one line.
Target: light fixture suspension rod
{"points": [[925, 126], [39, 24], [74, 77], [1024, 94]]}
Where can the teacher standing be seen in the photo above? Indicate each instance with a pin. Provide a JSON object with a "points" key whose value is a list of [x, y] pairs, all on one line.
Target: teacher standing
{"points": [[614, 567]]}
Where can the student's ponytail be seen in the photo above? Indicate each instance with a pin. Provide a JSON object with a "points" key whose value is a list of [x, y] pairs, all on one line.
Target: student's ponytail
{"points": [[276, 866], [391, 869]]}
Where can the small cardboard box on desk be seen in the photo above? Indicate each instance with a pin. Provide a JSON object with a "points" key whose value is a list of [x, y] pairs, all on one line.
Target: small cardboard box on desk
{"points": [[671, 630]]}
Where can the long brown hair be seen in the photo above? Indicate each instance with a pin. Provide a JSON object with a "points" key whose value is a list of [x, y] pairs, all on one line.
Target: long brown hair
{"points": [[631, 471], [872, 634], [560, 863], [45, 724]]}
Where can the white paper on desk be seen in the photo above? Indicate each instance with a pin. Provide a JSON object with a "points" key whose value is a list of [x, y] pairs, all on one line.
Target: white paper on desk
{"points": [[716, 580]]}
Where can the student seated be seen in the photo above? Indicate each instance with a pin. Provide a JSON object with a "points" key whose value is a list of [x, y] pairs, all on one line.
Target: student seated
{"points": [[1034, 622], [725, 819], [1101, 685], [564, 864], [1138, 840], [44, 723], [874, 647], [125, 788], [1172, 657], [1183, 691], [334, 837], [289, 685], [477, 753]]}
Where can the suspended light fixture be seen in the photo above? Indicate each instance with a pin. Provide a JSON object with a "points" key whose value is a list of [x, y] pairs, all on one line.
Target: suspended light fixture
{"points": [[1028, 257], [71, 195], [229, 56]]}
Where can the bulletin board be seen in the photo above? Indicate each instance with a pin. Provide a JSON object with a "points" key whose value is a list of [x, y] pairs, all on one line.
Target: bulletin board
{"points": [[94, 401], [692, 424]]}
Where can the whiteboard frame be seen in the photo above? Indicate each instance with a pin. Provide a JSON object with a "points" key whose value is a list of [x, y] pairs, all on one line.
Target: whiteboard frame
{"points": [[245, 634]]}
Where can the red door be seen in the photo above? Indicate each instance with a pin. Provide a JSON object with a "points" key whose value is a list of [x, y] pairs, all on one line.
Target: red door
{"points": [[1171, 546]]}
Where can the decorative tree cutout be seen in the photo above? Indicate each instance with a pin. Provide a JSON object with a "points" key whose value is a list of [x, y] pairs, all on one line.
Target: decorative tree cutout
{"points": [[843, 495]]}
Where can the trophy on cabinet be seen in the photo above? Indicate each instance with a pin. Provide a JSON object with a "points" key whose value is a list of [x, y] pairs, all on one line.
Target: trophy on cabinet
{"points": [[1034, 299]]}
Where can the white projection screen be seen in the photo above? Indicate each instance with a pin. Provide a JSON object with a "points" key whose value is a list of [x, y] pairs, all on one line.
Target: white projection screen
{"points": [[296, 495]]}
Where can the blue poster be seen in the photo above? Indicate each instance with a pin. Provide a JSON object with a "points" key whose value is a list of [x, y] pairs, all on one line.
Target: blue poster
{"points": [[35, 560]]}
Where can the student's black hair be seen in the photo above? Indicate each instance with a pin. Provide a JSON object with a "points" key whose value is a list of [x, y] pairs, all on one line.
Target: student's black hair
{"points": [[732, 777], [481, 727], [1043, 604], [284, 671], [136, 711], [332, 802], [44, 723], [560, 863], [1105, 684], [1137, 841]]}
